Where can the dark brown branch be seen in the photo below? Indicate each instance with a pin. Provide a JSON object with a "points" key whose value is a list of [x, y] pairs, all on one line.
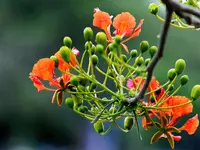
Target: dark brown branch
{"points": [[156, 58], [185, 12]]}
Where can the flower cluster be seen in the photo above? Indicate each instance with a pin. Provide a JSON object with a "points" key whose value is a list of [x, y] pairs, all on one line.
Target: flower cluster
{"points": [[126, 71], [169, 111], [44, 69]]}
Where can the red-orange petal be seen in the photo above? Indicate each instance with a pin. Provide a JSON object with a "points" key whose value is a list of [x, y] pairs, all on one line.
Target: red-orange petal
{"points": [[191, 125], [138, 29], [182, 110], [44, 69], [124, 24], [37, 83], [102, 20]]}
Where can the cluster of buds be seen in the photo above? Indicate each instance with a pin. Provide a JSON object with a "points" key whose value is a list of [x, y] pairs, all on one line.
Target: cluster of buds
{"points": [[177, 21], [126, 71]]}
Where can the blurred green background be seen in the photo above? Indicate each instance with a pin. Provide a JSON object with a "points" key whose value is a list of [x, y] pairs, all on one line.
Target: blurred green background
{"points": [[32, 29]]}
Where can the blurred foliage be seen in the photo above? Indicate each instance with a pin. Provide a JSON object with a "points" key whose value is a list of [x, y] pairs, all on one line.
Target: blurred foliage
{"points": [[32, 29]]}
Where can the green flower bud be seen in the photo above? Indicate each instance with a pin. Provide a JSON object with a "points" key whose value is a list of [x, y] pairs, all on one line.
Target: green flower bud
{"points": [[99, 127], [153, 8], [88, 45], [139, 61], [83, 109], [171, 87], [128, 123], [88, 33], [65, 53], [92, 86], [69, 102], [67, 41], [74, 80], [195, 93], [93, 50], [184, 79], [100, 49], [95, 60], [123, 58], [153, 50], [77, 101], [55, 59], [180, 66], [171, 74], [118, 39], [133, 53], [144, 46], [101, 38], [82, 80], [147, 61]]}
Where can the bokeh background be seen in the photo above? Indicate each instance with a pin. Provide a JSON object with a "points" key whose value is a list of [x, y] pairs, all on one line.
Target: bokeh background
{"points": [[32, 29]]}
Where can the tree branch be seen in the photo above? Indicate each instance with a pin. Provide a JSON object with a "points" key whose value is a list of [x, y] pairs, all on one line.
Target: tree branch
{"points": [[156, 57], [185, 12]]}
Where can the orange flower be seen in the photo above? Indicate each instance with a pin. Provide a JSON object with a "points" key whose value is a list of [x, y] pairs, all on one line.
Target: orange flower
{"points": [[44, 69], [124, 24], [101, 19], [191, 125]]}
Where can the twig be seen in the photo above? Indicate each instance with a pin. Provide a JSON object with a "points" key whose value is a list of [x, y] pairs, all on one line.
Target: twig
{"points": [[155, 59]]}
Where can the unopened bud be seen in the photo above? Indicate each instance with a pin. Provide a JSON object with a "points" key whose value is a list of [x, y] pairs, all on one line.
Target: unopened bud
{"points": [[123, 58], [88, 33], [95, 60], [139, 61], [55, 59], [153, 8], [144, 46], [74, 80], [101, 38], [99, 127], [128, 123], [184, 79], [133, 53], [100, 48], [153, 50], [67, 41], [65, 53], [195, 93], [180, 66], [118, 39], [171, 74], [93, 49], [69, 102]]}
